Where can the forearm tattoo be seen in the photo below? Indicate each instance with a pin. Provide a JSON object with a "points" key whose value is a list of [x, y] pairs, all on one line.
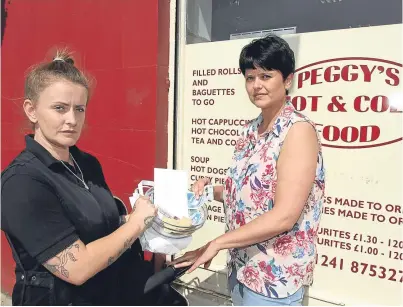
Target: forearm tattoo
{"points": [[126, 246], [61, 261]]}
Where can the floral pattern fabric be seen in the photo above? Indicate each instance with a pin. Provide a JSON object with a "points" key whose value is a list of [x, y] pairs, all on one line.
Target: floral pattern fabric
{"points": [[279, 266]]}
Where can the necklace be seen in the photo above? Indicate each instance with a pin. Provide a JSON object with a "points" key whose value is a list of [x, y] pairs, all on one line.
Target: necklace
{"points": [[82, 176]]}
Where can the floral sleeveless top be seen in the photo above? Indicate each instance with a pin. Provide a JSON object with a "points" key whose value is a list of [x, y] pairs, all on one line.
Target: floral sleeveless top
{"points": [[279, 266]]}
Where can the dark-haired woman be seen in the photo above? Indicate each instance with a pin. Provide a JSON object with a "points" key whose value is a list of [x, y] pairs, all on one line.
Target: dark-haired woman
{"points": [[273, 193], [71, 245]]}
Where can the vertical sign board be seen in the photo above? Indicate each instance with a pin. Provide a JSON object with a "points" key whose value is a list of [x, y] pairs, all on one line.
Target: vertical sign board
{"points": [[349, 83]]}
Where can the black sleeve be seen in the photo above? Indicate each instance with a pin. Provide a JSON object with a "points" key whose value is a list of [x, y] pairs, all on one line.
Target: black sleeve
{"points": [[31, 213]]}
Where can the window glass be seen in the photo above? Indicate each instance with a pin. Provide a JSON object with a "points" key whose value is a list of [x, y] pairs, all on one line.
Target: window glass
{"points": [[220, 20]]}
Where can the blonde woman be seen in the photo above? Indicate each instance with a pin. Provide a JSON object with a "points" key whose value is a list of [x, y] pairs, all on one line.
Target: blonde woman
{"points": [[69, 241]]}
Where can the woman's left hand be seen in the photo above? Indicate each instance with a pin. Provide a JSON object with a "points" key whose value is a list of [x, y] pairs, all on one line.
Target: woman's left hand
{"points": [[203, 255]]}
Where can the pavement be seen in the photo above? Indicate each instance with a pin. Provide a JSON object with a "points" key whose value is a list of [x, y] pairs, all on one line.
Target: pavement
{"points": [[5, 300]]}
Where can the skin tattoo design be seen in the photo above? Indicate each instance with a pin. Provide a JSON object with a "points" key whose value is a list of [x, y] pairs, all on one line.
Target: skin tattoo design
{"points": [[62, 260]]}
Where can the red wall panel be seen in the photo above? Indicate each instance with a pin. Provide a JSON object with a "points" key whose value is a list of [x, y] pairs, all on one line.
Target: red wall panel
{"points": [[124, 45]]}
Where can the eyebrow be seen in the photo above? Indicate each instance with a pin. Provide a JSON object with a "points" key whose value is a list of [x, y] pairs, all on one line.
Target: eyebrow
{"points": [[259, 73], [66, 104]]}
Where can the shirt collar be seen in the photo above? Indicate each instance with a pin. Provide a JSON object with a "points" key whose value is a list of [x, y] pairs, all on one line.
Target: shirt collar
{"points": [[281, 121], [43, 154]]}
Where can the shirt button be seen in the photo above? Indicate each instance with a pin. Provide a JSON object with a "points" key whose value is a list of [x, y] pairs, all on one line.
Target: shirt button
{"points": [[22, 276], [33, 278]]}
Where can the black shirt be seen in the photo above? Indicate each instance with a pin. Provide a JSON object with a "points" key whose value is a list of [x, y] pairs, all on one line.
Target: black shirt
{"points": [[45, 208]]}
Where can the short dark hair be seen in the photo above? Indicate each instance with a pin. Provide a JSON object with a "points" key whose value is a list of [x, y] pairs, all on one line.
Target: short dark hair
{"points": [[270, 53]]}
